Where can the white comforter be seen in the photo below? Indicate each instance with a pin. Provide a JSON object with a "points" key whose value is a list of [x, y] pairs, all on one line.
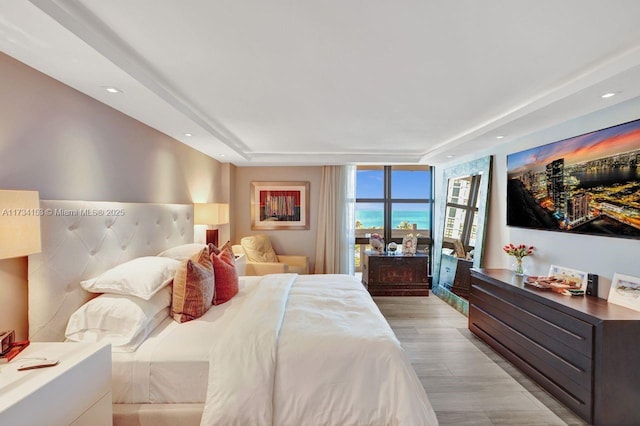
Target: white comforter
{"points": [[312, 352]]}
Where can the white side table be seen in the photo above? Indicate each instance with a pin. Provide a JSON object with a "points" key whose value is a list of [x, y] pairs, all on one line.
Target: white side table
{"points": [[76, 392], [241, 265]]}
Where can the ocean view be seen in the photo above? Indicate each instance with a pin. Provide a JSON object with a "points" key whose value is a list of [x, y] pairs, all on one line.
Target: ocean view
{"points": [[375, 218]]}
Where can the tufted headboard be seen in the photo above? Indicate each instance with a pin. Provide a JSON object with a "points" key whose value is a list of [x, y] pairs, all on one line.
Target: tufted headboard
{"points": [[81, 239]]}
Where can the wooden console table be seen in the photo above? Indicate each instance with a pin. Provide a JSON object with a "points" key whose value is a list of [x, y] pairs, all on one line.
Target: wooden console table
{"points": [[582, 349], [396, 275]]}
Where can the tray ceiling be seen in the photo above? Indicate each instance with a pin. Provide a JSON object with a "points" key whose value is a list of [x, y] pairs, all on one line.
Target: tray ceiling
{"points": [[328, 82]]}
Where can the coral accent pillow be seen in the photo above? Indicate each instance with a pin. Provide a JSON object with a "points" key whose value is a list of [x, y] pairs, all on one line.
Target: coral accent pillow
{"points": [[258, 249], [226, 276], [193, 287]]}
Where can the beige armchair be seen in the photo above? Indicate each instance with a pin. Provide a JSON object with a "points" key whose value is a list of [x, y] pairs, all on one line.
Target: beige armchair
{"points": [[262, 259]]}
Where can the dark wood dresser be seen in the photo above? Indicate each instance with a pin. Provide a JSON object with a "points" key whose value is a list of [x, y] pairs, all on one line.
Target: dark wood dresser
{"points": [[396, 275], [583, 350]]}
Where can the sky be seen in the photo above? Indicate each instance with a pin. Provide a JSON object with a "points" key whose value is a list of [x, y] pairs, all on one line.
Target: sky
{"points": [[590, 146], [405, 184]]}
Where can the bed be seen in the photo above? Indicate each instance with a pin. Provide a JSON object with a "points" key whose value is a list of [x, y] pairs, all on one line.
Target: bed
{"points": [[286, 350]]}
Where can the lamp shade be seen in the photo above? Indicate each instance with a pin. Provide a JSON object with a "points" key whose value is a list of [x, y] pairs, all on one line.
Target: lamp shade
{"points": [[19, 223], [210, 213]]}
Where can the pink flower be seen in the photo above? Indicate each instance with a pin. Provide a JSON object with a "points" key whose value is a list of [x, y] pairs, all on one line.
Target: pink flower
{"points": [[519, 251]]}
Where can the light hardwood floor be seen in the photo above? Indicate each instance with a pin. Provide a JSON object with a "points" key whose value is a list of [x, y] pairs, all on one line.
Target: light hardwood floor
{"points": [[467, 382]]}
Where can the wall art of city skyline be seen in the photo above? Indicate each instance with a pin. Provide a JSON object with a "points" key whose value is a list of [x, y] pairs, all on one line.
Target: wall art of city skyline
{"points": [[587, 184]]}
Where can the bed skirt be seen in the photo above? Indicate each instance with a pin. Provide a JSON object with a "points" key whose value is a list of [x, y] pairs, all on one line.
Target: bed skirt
{"points": [[157, 414]]}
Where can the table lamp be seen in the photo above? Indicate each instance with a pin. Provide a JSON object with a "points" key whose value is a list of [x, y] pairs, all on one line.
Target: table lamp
{"points": [[19, 223], [19, 236], [211, 214]]}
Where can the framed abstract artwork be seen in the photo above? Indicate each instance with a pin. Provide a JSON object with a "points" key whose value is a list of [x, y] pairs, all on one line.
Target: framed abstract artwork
{"points": [[279, 205]]}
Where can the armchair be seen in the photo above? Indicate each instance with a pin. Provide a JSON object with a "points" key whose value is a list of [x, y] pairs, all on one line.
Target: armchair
{"points": [[262, 259]]}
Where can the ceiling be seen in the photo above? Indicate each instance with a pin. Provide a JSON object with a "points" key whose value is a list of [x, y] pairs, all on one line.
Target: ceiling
{"points": [[331, 82]]}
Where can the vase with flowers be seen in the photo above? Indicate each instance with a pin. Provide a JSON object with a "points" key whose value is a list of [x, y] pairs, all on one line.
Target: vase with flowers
{"points": [[519, 252]]}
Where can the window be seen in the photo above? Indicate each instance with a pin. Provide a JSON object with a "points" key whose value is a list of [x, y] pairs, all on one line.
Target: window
{"points": [[393, 201]]}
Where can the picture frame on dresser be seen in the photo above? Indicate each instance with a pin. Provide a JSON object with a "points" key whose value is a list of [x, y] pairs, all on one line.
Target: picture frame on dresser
{"points": [[409, 244], [625, 291], [570, 275]]}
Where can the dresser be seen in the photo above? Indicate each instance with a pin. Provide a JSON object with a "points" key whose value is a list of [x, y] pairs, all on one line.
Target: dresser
{"points": [[581, 349], [75, 392], [396, 275]]}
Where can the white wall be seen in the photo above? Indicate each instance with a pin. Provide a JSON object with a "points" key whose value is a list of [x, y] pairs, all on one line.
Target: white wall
{"points": [[68, 146], [600, 255], [302, 242]]}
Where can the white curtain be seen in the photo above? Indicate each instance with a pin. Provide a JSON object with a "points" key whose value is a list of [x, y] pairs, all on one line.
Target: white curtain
{"points": [[335, 242]]}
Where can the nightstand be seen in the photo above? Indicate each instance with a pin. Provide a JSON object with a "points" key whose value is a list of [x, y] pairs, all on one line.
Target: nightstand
{"points": [[241, 265], [75, 392]]}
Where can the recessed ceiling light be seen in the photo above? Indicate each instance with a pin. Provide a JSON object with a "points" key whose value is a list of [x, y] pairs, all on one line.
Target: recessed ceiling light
{"points": [[112, 89], [608, 95], [500, 137], [188, 135], [221, 155], [449, 156]]}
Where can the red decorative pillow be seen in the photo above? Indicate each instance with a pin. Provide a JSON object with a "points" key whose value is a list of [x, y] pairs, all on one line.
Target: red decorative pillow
{"points": [[193, 287], [224, 269]]}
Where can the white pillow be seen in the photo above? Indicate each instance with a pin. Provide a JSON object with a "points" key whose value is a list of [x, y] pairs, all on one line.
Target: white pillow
{"points": [[141, 277], [184, 251], [123, 321]]}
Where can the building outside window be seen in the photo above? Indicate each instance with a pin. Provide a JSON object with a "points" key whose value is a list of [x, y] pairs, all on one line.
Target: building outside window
{"points": [[461, 216], [393, 201]]}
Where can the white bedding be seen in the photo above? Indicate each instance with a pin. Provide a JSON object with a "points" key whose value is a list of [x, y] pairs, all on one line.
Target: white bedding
{"points": [[172, 365], [329, 358]]}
